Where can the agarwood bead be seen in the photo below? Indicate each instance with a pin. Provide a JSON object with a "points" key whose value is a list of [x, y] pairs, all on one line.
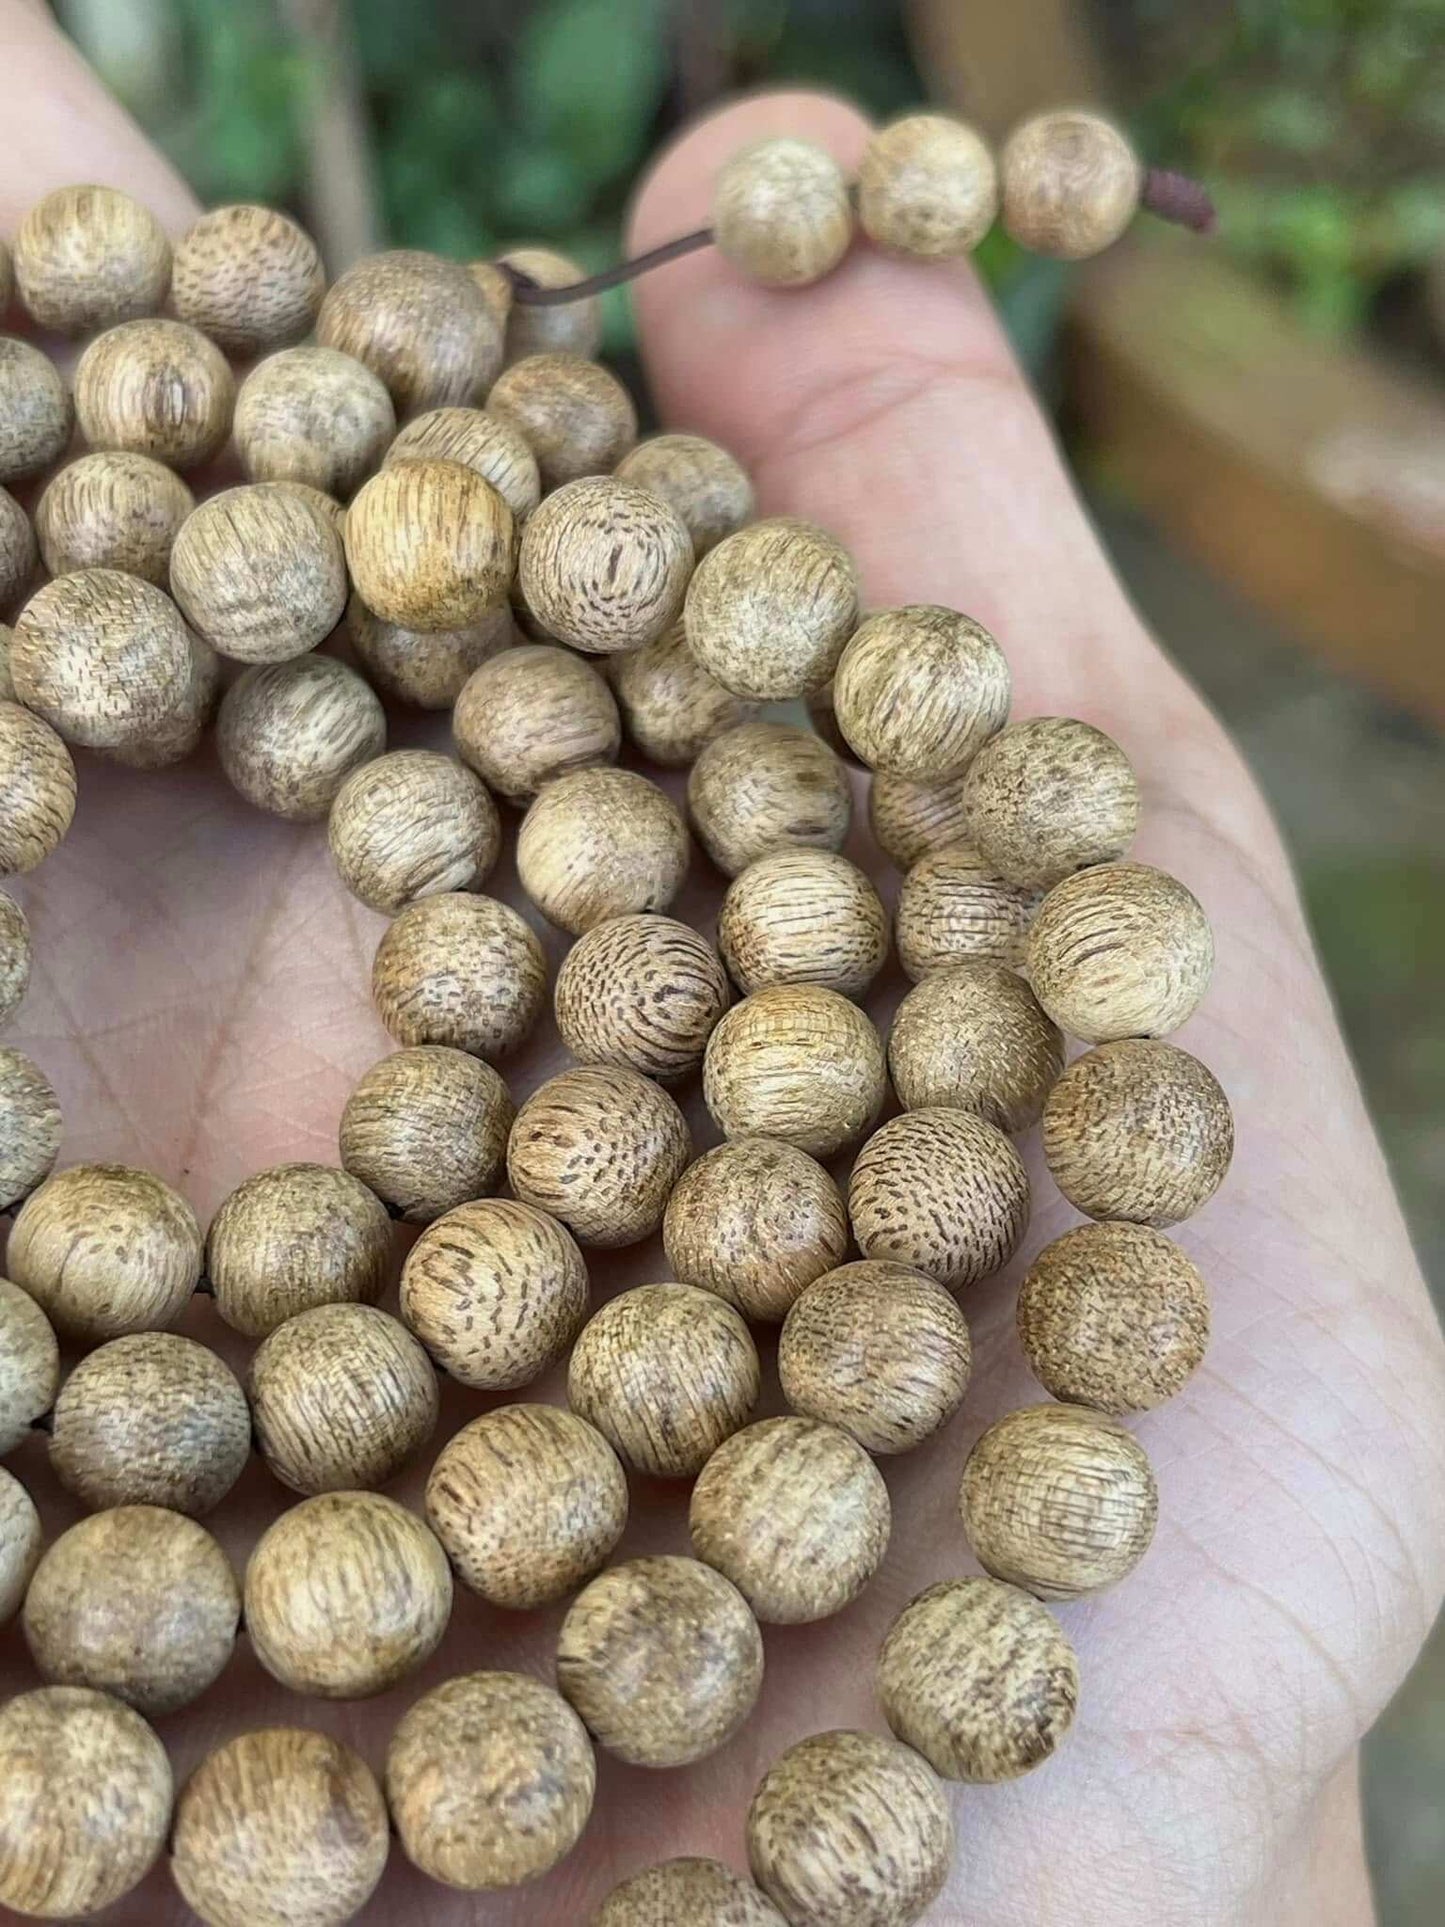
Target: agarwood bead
{"points": [[919, 690], [764, 787], [102, 656], [600, 1147], [17, 550], [601, 843], [155, 388], [427, 668], [35, 410], [496, 1290], [1048, 796], [1121, 950], [88, 257], [290, 733], [497, 451], [419, 323], [496, 290], [1059, 1500], [704, 1893], [572, 327], [850, 1830], [430, 545], [575, 416], [178, 732], [426, 1130], [312, 415], [295, 1236], [973, 1038], [85, 1801], [803, 917], [7, 686], [16, 955], [346, 1594], [754, 1222], [113, 511], [927, 187], [29, 1364], [532, 714], [603, 565], [490, 1779], [672, 707], [137, 1602], [709, 488], [682, 1628], [1140, 1130], [37, 790], [665, 1373], [780, 212], [460, 969], [31, 1127], [978, 1678], [1070, 184], [644, 992], [952, 909], [910, 820], [409, 825], [770, 608], [260, 572], [279, 1828], [151, 1419], [795, 1514], [942, 1191], [798, 1063], [528, 1501], [327, 506], [879, 1350], [249, 277], [20, 1540]]}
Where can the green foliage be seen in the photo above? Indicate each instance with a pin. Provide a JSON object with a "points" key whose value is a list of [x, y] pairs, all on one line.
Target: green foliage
{"points": [[235, 134]]}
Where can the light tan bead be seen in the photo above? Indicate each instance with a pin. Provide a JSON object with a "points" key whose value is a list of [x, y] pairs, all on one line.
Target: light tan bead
{"points": [[531, 714], [113, 511], [178, 732], [29, 1364], [803, 917], [102, 656], [770, 608], [312, 415], [528, 1501], [704, 1893], [37, 790], [279, 1828], [1049, 796], [290, 733], [571, 328], [7, 686], [260, 572], [665, 1373], [603, 565], [780, 212], [248, 277], [978, 1678], [490, 1779], [88, 257], [152, 1419], [496, 1290], [662, 1659], [601, 843], [798, 1063], [1070, 184], [496, 289], [31, 1127], [672, 707], [295, 1236], [426, 1130], [430, 545], [953, 910], [15, 956], [1121, 950], [850, 1830], [878, 1350], [17, 550], [764, 787], [326, 505], [755, 1222], [919, 690], [419, 323], [460, 969], [155, 388], [427, 668], [600, 1147], [85, 1801], [973, 1038], [910, 820], [575, 416], [709, 488], [927, 187], [35, 410], [642, 991], [941, 1191], [1058, 1500], [497, 451], [409, 825], [20, 1540]]}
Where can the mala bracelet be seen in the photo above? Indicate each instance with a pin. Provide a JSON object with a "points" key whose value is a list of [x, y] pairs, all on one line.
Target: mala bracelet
{"points": [[1021, 919]]}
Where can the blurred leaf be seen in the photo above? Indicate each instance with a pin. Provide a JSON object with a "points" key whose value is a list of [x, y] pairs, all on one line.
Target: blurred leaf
{"points": [[589, 78], [538, 191], [393, 42]]}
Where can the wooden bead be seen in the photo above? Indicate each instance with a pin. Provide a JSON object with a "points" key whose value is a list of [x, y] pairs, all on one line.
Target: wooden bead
{"points": [[600, 1147], [419, 323], [780, 212], [155, 388], [1139, 1130], [426, 668], [1070, 184], [797, 1063], [260, 572], [85, 1801], [15, 956], [7, 686], [88, 257], [37, 790], [603, 566], [795, 1514], [290, 733], [803, 917], [330, 510], [137, 1602], [426, 1130], [601, 843], [17, 550], [29, 1364], [20, 1540], [572, 327], [672, 707], [704, 1893], [1049, 796], [941, 1191], [295, 1236], [496, 1290], [953, 910], [665, 1373], [919, 690], [708, 487], [31, 1127], [770, 608], [878, 1350], [764, 787], [978, 1678], [409, 825], [927, 187], [279, 1828], [490, 1779], [687, 1632], [345, 1595], [973, 1038], [575, 416], [850, 1830], [1058, 1500], [528, 1501], [113, 511], [102, 656], [152, 1419], [462, 970], [1120, 951], [430, 545], [249, 277], [754, 1222], [644, 992], [312, 415], [105, 1249], [495, 288], [532, 714], [497, 451], [35, 410], [178, 732]]}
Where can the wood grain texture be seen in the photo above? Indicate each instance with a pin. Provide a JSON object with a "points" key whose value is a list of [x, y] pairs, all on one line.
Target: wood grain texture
{"points": [[909, 819], [426, 668], [709, 488], [497, 451], [29, 1364], [430, 545], [16, 952], [795, 1062], [290, 733], [103, 657], [409, 825], [927, 187], [671, 706], [460, 969], [417, 322], [426, 1130], [972, 1037], [531, 714], [86, 258], [940, 1190], [600, 1147], [112, 511], [249, 277], [312, 415], [1070, 184], [603, 565], [7, 687], [770, 607], [1048, 796], [767, 786], [571, 328], [31, 1128], [21, 1535], [37, 790], [35, 410], [295, 1236], [575, 416], [260, 572], [17, 550], [780, 212], [643, 992], [601, 843], [704, 1893], [177, 732], [803, 917], [155, 388], [919, 690], [953, 909]]}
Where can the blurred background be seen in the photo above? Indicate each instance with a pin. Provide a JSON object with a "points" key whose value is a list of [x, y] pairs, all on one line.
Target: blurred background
{"points": [[1259, 423]]}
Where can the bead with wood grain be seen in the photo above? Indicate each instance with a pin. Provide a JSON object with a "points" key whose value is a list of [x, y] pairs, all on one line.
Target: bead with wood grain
{"points": [[249, 277], [460, 969], [35, 410], [574, 415], [497, 451], [1121, 950], [312, 415], [600, 843], [409, 825], [16, 955], [927, 187], [29, 1364], [770, 608], [780, 212], [671, 706], [910, 819], [37, 790], [426, 668], [603, 566], [1049, 796], [702, 1892], [103, 657], [767, 786], [295, 1236], [940, 1190], [21, 1536], [260, 572], [644, 992], [919, 690], [426, 1130], [571, 327], [708, 487], [803, 917], [155, 388], [417, 322], [430, 545], [1070, 184], [290, 733], [532, 714], [86, 258], [18, 552], [600, 1147], [31, 1127], [754, 1221], [972, 1037], [952, 909], [113, 511], [796, 1062]]}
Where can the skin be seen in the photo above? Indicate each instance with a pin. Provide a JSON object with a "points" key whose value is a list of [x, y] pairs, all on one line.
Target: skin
{"points": [[1211, 1779]]}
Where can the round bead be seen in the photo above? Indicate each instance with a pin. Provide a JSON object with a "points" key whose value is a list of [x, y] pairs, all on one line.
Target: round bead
{"points": [[708, 487], [572, 327], [952, 909], [909, 820], [17, 550], [878, 1350], [927, 187], [462, 970], [1120, 951], [312, 415], [603, 566], [764, 787], [260, 572], [426, 1130], [15, 956], [29, 1364], [643, 992], [152, 1419], [178, 731], [37, 789], [103, 657], [292, 1237], [973, 1038], [20, 1540], [31, 1127], [797, 1063], [600, 1147], [35, 410], [88, 257], [919, 690], [345, 1595], [1058, 1500], [770, 608], [665, 1373], [780, 212], [494, 449], [575, 416], [279, 1828], [672, 707], [941, 1191], [330, 510], [704, 1893], [113, 511], [410, 825], [155, 388], [419, 323], [290, 733], [495, 287], [1049, 796], [7, 686], [532, 714], [528, 1501], [490, 1779], [496, 1290], [978, 1678], [803, 917], [683, 1629], [601, 843], [430, 545], [248, 277], [754, 1222], [427, 668], [1070, 184]]}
